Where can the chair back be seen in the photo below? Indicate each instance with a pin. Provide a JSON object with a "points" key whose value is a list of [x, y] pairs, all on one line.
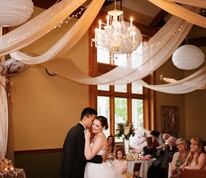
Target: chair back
{"points": [[136, 170], [193, 173]]}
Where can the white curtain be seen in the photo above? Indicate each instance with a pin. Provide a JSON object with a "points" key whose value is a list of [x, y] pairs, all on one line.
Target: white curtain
{"points": [[3, 117]]}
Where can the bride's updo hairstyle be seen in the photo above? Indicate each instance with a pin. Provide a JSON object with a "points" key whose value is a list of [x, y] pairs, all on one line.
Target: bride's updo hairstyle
{"points": [[103, 121]]}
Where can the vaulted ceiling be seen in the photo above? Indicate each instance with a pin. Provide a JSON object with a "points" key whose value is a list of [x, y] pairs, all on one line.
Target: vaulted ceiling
{"points": [[147, 17]]}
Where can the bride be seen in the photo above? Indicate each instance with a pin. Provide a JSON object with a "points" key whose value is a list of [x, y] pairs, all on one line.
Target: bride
{"points": [[98, 146]]}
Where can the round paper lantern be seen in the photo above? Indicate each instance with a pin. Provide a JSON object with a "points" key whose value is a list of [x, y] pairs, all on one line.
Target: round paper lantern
{"points": [[15, 12], [188, 57]]}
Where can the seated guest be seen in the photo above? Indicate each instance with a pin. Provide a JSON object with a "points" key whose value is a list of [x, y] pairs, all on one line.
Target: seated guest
{"points": [[110, 144], [158, 169], [121, 163], [155, 135], [165, 137], [179, 157], [197, 157], [164, 140], [149, 150]]}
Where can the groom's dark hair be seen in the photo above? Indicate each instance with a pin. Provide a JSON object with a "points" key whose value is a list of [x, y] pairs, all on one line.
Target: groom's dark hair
{"points": [[88, 112]]}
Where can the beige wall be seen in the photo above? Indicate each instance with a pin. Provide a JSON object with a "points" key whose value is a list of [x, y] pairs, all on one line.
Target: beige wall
{"points": [[45, 107], [195, 111], [168, 70]]}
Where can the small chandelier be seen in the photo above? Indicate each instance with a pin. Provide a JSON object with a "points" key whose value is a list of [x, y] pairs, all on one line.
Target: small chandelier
{"points": [[117, 36]]}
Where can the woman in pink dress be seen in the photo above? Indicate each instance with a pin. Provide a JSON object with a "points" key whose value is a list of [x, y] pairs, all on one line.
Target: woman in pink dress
{"points": [[121, 164]]}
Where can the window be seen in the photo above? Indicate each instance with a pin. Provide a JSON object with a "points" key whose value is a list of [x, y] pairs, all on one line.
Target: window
{"points": [[119, 103]]}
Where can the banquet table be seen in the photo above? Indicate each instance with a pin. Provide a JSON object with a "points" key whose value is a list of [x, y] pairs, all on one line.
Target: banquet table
{"points": [[16, 173], [144, 166]]}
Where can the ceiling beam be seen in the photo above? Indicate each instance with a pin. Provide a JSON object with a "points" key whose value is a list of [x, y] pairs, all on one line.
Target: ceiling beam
{"points": [[44, 4], [199, 41], [158, 21]]}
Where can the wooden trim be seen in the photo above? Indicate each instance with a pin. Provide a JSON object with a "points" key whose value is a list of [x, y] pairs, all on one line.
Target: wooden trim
{"points": [[44, 4], [112, 116], [20, 152], [199, 41], [93, 68], [118, 94], [159, 17], [149, 105]]}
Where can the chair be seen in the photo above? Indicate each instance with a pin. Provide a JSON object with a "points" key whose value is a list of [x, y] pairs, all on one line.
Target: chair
{"points": [[136, 170], [193, 173]]}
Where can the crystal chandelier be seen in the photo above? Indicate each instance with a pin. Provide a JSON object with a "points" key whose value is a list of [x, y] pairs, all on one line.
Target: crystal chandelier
{"points": [[116, 35]]}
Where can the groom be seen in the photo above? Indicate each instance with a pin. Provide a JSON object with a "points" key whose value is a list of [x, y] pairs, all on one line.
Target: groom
{"points": [[74, 161]]}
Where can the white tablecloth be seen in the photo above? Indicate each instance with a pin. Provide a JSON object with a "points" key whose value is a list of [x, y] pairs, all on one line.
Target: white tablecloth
{"points": [[144, 166], [169, 169]]}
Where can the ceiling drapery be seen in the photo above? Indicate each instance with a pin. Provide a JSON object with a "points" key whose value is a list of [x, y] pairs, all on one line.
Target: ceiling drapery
{"points": [[196, 3], [155, 52], [38, 26], [181, 12], [68, 40]]}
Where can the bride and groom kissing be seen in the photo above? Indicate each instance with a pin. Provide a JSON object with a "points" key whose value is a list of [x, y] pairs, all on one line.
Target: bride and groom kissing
{"points": [[83, 158]]}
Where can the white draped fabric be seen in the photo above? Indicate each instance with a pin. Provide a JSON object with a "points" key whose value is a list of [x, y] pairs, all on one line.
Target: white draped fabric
{"points": [[196, 81], [159, 48], [181, 12], [196, 3], [38, 26], [68, 40], [3, 118]]}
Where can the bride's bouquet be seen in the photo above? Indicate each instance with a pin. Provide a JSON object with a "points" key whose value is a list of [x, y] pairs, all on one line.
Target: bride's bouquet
{"points": [[125, 131]]}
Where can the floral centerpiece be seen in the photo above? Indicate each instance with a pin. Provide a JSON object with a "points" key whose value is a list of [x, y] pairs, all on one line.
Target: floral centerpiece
{"points": [[125, 130]]}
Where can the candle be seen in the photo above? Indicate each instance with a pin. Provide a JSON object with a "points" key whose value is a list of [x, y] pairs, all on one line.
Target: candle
{"points": [[107, 20], [133, 36], [131, 20], [100, 24]]}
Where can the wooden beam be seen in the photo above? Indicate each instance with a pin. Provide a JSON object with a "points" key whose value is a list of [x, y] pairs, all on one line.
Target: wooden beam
{"points": [[200, 41], [44, 4], [158, 19], [146, 30]]}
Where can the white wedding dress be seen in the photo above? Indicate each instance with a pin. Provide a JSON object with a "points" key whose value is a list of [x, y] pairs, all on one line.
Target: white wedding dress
{"points": [[102, 170]]}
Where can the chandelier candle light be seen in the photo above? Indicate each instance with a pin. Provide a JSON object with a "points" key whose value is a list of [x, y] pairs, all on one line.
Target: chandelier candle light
{"points": [[116, 35]]}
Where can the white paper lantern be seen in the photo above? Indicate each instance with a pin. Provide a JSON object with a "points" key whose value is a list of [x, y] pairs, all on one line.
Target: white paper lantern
{"points": [[15, 12], [188, 57]]}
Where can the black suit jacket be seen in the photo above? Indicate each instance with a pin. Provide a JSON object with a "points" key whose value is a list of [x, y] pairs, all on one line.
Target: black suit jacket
{"points": [[74, 161]]}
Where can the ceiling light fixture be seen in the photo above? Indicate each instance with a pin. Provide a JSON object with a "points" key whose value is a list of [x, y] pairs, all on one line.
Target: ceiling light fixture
{"points": [[15, 12], [116, 35], [188, 57]]}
